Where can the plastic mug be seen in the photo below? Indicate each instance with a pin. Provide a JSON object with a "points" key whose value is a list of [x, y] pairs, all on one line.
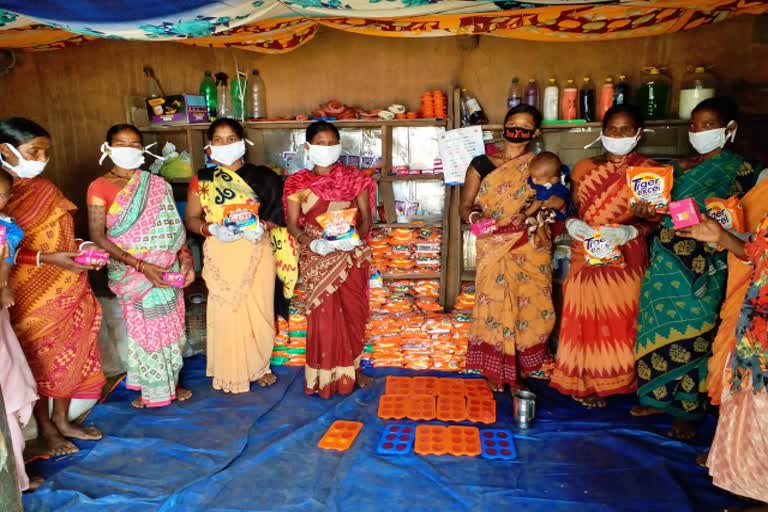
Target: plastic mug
{"points": [[484, 227]]}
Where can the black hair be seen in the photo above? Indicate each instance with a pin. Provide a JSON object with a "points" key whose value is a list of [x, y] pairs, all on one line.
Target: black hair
{"points": [[524, 108], [321, 126], [123, 128], [724, 106], [547, 156], [628, 109], [6, 177], [225, 121], [19, 130]]}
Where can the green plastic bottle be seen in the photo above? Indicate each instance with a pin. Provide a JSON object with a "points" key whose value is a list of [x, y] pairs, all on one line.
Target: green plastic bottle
{"points": [[208, 90], [654, 94]]}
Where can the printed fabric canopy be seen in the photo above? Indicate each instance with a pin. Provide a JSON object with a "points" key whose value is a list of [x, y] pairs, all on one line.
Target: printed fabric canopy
{"points": [[275, 26]]}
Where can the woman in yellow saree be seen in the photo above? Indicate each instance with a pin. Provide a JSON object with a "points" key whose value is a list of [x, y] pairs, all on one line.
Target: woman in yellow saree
{"points": [[513, 315]]}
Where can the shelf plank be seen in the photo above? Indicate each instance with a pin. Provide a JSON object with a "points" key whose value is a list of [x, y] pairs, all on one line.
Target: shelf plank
{"points": [[412, 276], [298, 125]]}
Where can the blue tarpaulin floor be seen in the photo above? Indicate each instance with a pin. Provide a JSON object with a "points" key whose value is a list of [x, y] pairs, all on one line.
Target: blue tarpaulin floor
{"points": [[258, 451]]}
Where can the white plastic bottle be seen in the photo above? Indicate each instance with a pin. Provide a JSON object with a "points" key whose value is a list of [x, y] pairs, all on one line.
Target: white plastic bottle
{"points": [[551, 100], [257, 108]]}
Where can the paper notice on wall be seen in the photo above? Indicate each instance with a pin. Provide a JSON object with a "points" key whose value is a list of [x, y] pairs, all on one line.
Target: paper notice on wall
{"points": [[457, 149]]}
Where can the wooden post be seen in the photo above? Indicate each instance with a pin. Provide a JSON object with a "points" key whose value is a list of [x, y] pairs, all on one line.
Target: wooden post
{"points": [[10, 497]]}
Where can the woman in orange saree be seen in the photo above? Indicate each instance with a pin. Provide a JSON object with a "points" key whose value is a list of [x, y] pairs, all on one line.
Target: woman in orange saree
{"points": [[596, 350], [56, 316], [513, 315], [335, 278]]}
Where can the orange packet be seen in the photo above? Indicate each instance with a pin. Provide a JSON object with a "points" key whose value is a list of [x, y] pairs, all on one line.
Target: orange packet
{"points": [[728, 212], [243, 217], [600, 252], [339, 224], [652, 184]]}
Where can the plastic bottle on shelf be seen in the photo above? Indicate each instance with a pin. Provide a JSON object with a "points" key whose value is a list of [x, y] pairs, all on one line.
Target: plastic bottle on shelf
{"points": [[515, 97], [621, 91], [587, 100], [569, 103], [551, 100], [475, 113], [654, 94], [531, 95], [607, 92], [257, 107], [698, 85], [239, 95], [223, 106], [208, 90]]}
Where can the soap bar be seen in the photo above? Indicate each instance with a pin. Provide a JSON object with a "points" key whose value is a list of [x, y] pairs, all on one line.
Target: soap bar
{"points": [[92, 257], [684, 213]]}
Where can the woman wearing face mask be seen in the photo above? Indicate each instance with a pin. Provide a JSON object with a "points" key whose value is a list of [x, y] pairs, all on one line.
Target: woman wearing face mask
{"points": [[132, 216], [737, 460], [513, 315], [595, 353], [239, 267], [684, 284], [335, 278], [56, 315]]}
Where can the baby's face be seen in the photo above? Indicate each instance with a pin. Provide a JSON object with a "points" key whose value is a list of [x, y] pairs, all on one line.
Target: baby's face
{"points": [[544, 173]]}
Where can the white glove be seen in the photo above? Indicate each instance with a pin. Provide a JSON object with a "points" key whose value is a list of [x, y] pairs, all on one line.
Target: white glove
{"points": [[579, 230], [255, 234], [321, 247], [619, 235], [348, 244], [223, 233]]}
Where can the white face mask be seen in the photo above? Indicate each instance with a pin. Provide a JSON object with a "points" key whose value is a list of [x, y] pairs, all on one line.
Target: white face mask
{"points": [[324, 156], [620, 146], [229, 153], [710, 140], [25, 168], [126, 157]]}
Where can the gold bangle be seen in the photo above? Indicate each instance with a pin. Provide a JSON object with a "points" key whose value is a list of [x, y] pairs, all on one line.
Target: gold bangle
{"points": [[37, 259], [203, 229]]}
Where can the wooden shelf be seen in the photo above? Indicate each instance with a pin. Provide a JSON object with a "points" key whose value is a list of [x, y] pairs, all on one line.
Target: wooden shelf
{"points": [[411, 276], [410, 177], [595, 124], [297, 125]]}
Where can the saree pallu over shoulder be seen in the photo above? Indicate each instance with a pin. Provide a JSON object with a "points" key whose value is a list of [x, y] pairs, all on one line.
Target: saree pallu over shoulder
{"points": [[56, 315], [513, 315], [681, 296]]}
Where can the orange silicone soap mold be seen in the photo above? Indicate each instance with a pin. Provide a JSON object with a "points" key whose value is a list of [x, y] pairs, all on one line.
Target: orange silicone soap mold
{"points": [[393, 407], [340, 435], [424, 385], [451, 408], [398, 386], [421, 407], [451, 386], [440, 440], [481, 410], [478, 388]]}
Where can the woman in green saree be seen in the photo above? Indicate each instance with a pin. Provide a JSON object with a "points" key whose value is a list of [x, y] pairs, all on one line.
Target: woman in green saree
{"points": [[683, 287]]}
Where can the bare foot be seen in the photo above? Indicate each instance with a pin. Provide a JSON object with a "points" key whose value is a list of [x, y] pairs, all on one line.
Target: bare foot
{"points": [[362, 380], [34, 483], [701, 460], [644, 410], [495, 386], [184, 394], [266, 380], [138, 403], [592, 402], [73, 431], [682, 430], [55, 443]]}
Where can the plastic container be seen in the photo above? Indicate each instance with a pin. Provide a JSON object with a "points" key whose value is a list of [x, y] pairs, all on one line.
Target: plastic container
{"points": [[569, 104], [654, 94], [551, 100], [257, 96], [622, 91], [223, 105], [475, 113], [698, 85], [607, 92], [531, 95], [208, 90], [239, 94], [587, 100], [515, 97]]}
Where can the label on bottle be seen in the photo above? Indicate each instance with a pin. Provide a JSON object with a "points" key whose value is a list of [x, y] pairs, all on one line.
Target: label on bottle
{"points": [[473, 106]]}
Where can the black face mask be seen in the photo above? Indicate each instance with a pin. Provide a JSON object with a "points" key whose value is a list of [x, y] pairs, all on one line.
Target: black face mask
{"points": [[518, 135]]}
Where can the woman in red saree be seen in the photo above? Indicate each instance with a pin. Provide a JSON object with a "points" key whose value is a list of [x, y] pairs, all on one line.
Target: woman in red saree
{"points": [[56, 316], [335, 278]]}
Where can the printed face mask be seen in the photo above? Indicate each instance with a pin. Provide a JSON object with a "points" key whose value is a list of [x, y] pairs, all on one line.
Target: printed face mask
{"points": [[25, 168], [518, 135], [324, 156]]}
